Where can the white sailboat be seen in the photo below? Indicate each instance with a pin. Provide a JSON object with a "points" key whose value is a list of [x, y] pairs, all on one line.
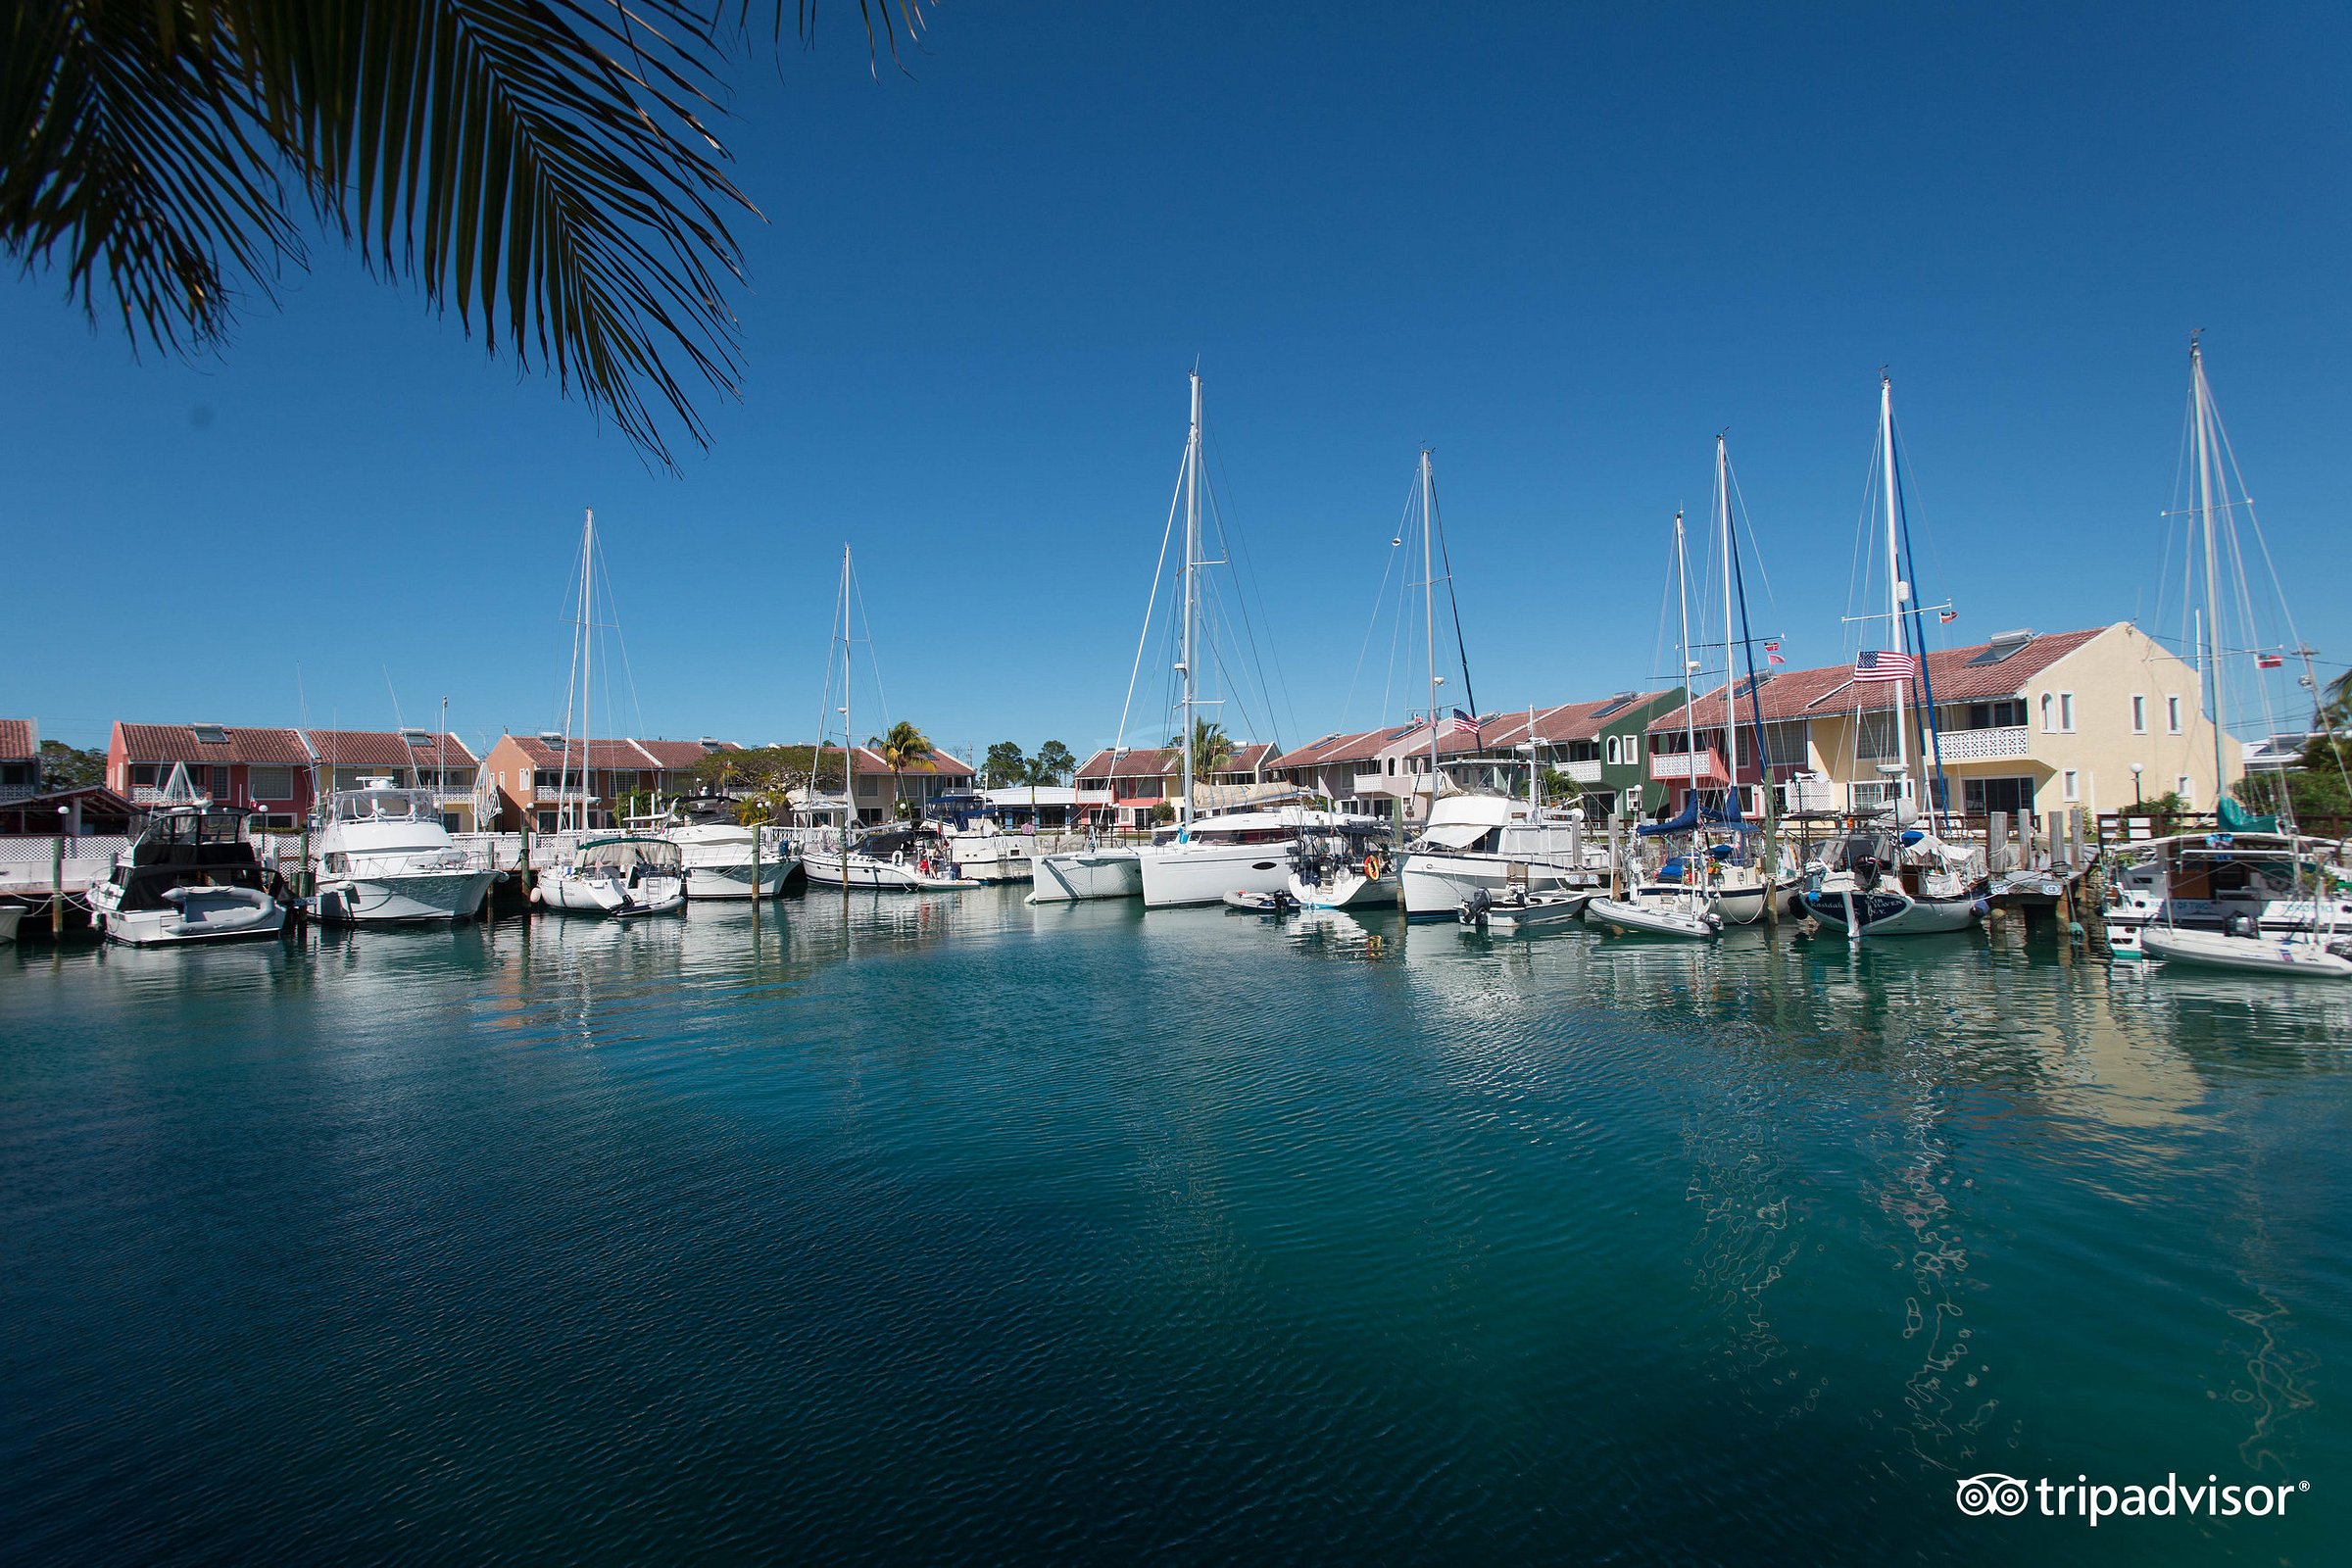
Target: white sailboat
{"points": [[1897, 878], [621, 875], [1657, 908], [2256, 896], [892, 861]]}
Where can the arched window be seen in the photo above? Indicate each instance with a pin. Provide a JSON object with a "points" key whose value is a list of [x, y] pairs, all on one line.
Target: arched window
{"points": [[1616, 751], [2049, 715]]}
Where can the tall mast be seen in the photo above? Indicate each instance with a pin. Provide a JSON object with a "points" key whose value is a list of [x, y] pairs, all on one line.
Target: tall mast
{"points": [[1731, 687], [1682, 594], [849, 753], [1192, 562], [1429, 621], [2209, 636], [1896, 589], [587, 657]]}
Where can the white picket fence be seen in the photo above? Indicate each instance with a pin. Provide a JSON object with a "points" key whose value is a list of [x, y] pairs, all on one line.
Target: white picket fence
{"points": [[26, 864]]}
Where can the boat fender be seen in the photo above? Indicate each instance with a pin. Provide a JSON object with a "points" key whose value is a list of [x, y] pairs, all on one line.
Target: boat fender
{"points": [[1984, 907], [534, 895]]}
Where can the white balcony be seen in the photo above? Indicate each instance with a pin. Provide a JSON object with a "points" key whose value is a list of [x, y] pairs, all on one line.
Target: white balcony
{"points": [[553, 794], [1667, 766], [1584, 771], [1984, 744]]}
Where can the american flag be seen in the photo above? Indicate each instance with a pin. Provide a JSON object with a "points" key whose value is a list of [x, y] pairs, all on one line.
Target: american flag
{"points": [[1463, 724], [1875, 666], [1771, 658], [2269, 662], [1946, 617]]}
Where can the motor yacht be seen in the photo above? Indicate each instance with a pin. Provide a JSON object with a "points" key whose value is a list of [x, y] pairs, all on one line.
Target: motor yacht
{"points": [[191, 876], [385, 858]]}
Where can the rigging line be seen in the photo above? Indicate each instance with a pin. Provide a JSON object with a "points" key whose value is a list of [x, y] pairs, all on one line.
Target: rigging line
{"points": [[1910, 465], [1866, 551], [1241, 603], [1371, 624], [2262, 542], [1403, 581], [1918, 638], [1452, 598], [1159, 569], [1741, 517], [874, 660], [621, 639], [1247, 572]]}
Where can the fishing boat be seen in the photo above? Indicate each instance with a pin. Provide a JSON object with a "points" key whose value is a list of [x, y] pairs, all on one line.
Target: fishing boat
{"points": [[385, 858], [1345, 866], [901, 859], [2254, 894], [729, 860], [190, 877], [1895, 877]]}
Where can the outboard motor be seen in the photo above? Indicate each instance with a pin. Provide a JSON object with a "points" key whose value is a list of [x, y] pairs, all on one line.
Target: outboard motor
{"points": [[1476, 907]]}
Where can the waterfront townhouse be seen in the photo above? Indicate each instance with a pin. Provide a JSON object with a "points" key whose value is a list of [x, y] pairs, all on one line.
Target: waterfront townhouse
{"points": [[2027, 722], [916, 785], [262, 771], [19, 760], [1121, 787], [1368, 773]]}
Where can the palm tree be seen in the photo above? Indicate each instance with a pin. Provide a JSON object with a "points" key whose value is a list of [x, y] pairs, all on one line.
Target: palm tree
{"points": [[902, 748], [1212, 748], [549, 165]]}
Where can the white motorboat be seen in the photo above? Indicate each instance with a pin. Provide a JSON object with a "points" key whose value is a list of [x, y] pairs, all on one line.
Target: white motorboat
{"points": [[622, 877], [900, 861], [2315, 956], [979, 845], [1274, 904], [732, 861], [1477, 842], [1242, 851], [2283, 883], [1518, 912], [191, 876], [1348, 867], [386, 859], [1107, 872]]}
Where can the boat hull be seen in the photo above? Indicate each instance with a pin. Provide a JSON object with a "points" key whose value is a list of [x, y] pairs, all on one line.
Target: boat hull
{"points": [[1178, 874], [1636, 917], [828, 868], [205, 914], [10, 915], [1114, 873], [1891, 913], [610, 897], [1345, 889], [1434, 886], [991, 857], [2302, 956], [401, 900], [734, 879]]}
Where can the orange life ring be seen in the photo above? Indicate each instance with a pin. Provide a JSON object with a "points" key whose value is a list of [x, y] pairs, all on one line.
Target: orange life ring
{"points": [[1372, 868]]}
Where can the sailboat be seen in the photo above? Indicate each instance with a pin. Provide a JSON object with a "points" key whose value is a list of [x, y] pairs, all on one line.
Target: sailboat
{"points": [[621, 875], [2255, 895], [898, 860], [1899, 878], [1203, 859], [1681, 907], [1476, 842]]}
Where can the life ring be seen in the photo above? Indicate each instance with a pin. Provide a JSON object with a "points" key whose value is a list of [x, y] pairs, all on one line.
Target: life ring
{"points": [[1372, 868], [898, 856]]}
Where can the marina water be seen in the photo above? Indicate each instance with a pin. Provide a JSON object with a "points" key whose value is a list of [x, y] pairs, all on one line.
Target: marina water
{"points": [[939, 1229]]}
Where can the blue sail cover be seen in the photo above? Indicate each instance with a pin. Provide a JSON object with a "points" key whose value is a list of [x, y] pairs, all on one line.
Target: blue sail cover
{"points": [[1683, 821]]}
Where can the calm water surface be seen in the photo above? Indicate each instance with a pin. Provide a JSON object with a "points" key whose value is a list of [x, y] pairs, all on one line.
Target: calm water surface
{"points": [[949, 1229]]}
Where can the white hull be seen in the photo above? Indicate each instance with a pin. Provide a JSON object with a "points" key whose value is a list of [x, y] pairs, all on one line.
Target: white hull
{"points": [[1434, 885], [401, 900], [1176, 874], [735, 881], [1113, 873], [1345, 889], [826, 868], [1540, 912], [611, 895], [991, 857], [1643, 918], [204, 914], [2260, 955], [10, 914]]}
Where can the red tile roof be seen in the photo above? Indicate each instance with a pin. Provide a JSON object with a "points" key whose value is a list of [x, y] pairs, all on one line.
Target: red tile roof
{"points": [[1830, 689], [1569, 721], [1134, 762], [18, 739], [602, 755], [383, 748], [678, 756], [1347, 745], [177, 742], [942, 763], [1249, 758]]}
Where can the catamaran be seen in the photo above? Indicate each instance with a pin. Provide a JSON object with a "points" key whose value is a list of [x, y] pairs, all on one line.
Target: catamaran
{"points": [[1896, 877]]}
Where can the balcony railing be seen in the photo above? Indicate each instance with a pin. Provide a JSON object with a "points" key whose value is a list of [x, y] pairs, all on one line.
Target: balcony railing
{"points": [[1984, 744], [18, 792], [1668, 765], [1584, 769], [554, 794]]}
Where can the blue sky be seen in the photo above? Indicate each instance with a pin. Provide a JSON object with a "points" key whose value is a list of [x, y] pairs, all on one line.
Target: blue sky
{"points": [[1564, 249]]}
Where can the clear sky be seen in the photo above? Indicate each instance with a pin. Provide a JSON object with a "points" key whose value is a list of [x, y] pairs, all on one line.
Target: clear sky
{"points": [[1563, 246]]}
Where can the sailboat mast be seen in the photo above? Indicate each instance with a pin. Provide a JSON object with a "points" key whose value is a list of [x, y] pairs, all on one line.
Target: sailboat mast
{"points": [[849, 753], [1896, 589], [587, 658], [2209, 637], [1682, 594], [1731, 686], [1429, 622], [1192, 562]]}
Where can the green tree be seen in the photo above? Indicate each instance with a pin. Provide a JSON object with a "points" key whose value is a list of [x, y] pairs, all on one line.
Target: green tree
{"points": [[904, 747], [1212, 748], [70, 767], [1004, 765], [548, 167], [1058, 762]]}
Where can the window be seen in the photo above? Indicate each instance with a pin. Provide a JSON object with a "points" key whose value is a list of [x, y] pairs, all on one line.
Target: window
{"points": [[2066, 712], [1979, 797], [1616, 751], [2074, 785], [272, 783], [1875, 737], [219, 782], [142, 774], [2172, 714], [547, 821], [1391, 767], [1870, 797], [2007, 712], [2139, 714], [2049, 715]]}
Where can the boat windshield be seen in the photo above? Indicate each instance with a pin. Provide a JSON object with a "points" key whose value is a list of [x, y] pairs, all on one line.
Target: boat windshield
{"points": [[384, 806]]}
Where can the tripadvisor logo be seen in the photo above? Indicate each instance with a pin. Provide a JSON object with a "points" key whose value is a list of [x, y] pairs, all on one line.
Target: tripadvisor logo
{"points": [[1995, 1494]]}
